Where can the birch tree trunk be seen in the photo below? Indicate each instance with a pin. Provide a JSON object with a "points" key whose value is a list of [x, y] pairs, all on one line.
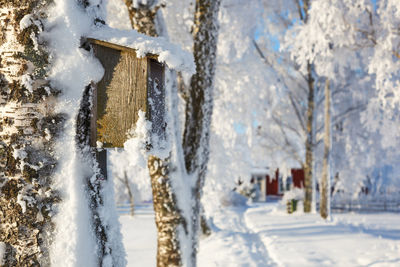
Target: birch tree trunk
{"points": [[143, 16], [308, 166], [325, 181], [167, 214], [199, 106], [196, 133], [28, 128]]}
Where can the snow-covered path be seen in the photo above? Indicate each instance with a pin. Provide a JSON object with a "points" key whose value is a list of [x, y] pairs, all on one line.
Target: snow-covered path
{"points": [[307, 240], [259, 236], [233, 243]]}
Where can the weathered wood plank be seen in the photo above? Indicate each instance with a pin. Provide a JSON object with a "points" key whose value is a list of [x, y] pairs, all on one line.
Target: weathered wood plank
{"points": [[121, 93]]}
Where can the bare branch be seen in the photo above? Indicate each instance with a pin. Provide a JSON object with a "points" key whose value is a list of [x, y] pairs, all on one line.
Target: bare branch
{"points": [[287, 142], [298, 115], [261, 53]]}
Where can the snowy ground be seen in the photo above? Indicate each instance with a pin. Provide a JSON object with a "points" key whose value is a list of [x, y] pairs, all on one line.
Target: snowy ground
{"points": [[261, 235], [140, 237], [306, 240]]}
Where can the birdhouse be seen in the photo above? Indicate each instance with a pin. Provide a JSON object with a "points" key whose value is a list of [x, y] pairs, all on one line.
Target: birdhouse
{"points": [[130, 83]]}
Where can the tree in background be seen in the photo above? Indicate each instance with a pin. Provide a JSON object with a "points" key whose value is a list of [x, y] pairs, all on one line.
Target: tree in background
{"points": [[305, 44], [343, 36], [296, 124], [300, 43], [303, 7], [325, 204]]}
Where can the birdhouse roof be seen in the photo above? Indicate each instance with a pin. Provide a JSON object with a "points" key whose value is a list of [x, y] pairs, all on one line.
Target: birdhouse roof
{"points": [[118, 47], [172, 55]]}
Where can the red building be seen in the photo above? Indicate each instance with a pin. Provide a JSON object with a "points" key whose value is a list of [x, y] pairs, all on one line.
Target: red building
{"points": [[276, 185], [272, 185]]}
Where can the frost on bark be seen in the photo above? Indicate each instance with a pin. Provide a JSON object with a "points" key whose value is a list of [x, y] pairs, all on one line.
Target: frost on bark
{"points": [[199, 106], [168, 215], [325, 181], [94, 182], [143, 16], [28, 128]]}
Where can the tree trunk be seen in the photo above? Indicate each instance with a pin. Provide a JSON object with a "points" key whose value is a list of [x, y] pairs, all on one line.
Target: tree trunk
{"points": [[131, 198], [168, 216], [143, 16], [325, 181], [94, 181], [308, 166], [196, 133], [28, 128], [108, 249], [199, 106]]}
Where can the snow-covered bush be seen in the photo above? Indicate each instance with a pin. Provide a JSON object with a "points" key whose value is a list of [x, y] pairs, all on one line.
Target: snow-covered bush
{"points": [[233, 198], [294, 193], [292, 200], [248, 190]]}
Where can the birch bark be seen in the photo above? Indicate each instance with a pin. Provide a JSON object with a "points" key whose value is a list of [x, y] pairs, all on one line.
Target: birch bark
{"points": [[28, 129], [195, 139], [325, 181], [167, 214]]}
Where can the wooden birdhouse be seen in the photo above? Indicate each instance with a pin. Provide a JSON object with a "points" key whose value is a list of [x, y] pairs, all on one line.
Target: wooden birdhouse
{"points": [[129, 84]]}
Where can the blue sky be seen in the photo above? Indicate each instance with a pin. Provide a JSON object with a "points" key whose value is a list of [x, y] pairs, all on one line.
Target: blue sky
{"points": [[374, 3]]}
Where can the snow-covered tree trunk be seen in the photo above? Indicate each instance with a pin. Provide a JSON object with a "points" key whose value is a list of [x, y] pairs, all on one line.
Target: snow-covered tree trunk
{"points": [[326, 176], [167, 214], [31, 127], [94, 180], [28, 128], [199, 106], [308, 165], [303, 9], [109, 249], [143, 16], [196, 135]]}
